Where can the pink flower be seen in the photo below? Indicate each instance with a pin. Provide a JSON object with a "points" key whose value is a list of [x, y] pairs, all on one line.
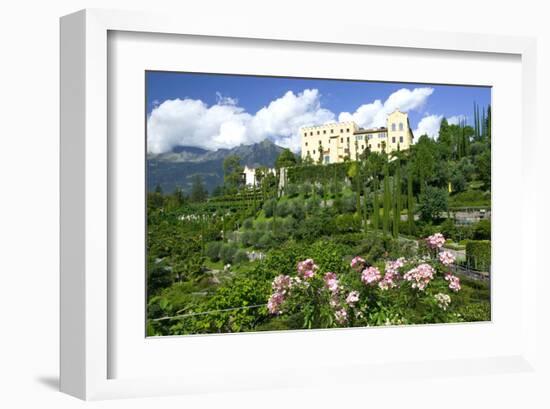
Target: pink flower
{"points": [[307, 268], [357, 263], [352, 298], [274, 302], [281, 283], [447, 258], [393, 266], [435, 241], [454, 282], [341, 316], [370, 275], [331, 282], [420, 276]]}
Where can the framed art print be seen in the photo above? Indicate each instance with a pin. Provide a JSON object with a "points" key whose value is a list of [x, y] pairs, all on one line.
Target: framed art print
{"points": [[232, 194]]}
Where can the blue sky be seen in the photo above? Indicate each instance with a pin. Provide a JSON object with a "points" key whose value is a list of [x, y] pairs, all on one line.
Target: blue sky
{"points": [[213, 111]]}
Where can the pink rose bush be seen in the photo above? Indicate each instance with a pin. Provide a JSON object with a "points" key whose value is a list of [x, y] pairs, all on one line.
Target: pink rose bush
{"points": [[446, 258], [420, 276], [435, 241], [381, 294], [371, 275]]}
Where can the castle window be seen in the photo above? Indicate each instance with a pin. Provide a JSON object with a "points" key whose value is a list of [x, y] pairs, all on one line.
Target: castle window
{"points": [[401, 139], [306, 143], [393, 139], [362, 146], [324, 131], [307, 153], [347, 139], [393, 127], [311, 133], [400, 126], [332, 131], [327, 159], [305, 134], [347, 130], [318, 133], [341, 140], [314, 151], [341, 131]]}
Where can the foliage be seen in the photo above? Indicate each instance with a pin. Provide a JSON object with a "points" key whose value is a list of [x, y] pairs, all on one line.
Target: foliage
{"points": [[432, 202], [478, 254], [285, 159]]}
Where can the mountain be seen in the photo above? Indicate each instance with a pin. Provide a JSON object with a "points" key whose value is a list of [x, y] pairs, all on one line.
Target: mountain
{"points": [[177, 168]]}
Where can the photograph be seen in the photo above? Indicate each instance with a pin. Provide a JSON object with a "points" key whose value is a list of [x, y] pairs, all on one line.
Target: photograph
{"points": [[285, 203]]}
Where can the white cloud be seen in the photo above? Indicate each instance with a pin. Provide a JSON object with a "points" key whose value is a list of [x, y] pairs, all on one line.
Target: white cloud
{"points": [[456, 119], [374, 114], [429, 125], [191, 122]]}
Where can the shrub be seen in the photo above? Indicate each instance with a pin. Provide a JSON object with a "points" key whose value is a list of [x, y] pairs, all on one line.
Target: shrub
{"points": [[283, 209], [227, 252], [297, 209], [265, 241], [347, 223], [240, 257], [269, 207], [248, 223], [478, 254], [212, 250], [247, 237], [482, 230], [312, 205]]}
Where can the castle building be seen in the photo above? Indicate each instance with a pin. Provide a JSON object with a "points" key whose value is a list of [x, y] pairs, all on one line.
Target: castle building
{"points": [[334, 142]]}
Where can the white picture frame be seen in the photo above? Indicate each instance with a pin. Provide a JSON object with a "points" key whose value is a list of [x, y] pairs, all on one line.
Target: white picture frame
{"points": [[85, 218]]}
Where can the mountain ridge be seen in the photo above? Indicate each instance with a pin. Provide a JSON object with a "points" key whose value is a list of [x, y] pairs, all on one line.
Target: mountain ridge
{"points": [[177, 168]]}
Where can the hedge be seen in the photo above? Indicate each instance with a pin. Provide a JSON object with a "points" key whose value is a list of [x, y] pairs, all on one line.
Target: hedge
{"points": [[478, 254]]}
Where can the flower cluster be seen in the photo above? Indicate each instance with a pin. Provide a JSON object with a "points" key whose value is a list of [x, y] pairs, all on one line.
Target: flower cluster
{"points": [[443, 300], [274, 302], [358, 263], [331, 282], [307, 268], [454, 282], [435, 241], [352, 298], [420, 276], [341, 316], [447, 258], [281, 285], [391, 275], [371, 275]]}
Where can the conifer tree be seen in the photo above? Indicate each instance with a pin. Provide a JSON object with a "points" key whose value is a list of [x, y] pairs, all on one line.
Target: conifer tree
{"points": [[397, 200], [375, 205], [387, 201], [410, 201]]}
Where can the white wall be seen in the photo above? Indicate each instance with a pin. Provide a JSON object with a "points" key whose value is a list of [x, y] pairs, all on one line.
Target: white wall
{"points": [[29, 204]]}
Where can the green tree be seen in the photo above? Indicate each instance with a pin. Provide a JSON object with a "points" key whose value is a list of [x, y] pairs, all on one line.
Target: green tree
{"points": [[375, 204], [198, 191], [432, 203], [397, 199], [387, 201], [410, 201], [232, 173], [286, 159]]}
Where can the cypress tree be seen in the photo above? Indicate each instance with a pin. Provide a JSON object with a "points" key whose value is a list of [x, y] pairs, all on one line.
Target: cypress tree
{"points": [[387, 201], [397, 200], [410, 202], [375, 205], [365, 210]]}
